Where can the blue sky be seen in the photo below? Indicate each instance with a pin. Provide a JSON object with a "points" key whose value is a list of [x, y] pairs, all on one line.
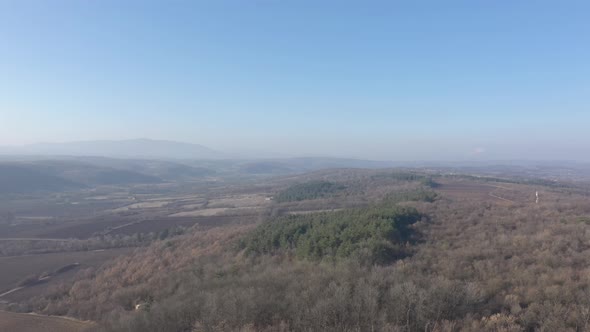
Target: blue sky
{"points": [[401, 80]]}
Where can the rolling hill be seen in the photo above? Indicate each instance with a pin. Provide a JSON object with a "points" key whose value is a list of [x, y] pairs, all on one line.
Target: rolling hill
{"points": [[18, 179], [135, 148]]}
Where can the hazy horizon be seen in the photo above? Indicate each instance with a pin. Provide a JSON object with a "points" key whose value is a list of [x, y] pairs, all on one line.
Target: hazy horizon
{"points": [[153, 149], [453, 81]]}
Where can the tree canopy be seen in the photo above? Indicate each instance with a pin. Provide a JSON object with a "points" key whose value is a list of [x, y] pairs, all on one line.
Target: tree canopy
{"points": [[375, 235]]}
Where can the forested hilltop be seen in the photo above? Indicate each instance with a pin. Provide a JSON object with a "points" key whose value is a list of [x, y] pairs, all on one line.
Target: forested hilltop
{"points": [[393, 251], [372, 235], [309, 190]]}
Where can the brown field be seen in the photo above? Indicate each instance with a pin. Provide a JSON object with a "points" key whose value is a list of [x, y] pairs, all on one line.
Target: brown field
{"points": [[224, 205], [480, 191], [21, 267], [160, 224], [47, 207], [120, 213], [501, 193], [10, 321], [239, 201], [21, 230], [82, 230], [201, 213], [142, 205], [465, 190]]}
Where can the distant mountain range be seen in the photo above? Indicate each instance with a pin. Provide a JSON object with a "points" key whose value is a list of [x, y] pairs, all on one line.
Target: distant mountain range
{"points": [[135, 148]]}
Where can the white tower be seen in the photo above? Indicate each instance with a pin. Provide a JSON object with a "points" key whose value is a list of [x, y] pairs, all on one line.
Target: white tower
{"points": [[537, 195]]}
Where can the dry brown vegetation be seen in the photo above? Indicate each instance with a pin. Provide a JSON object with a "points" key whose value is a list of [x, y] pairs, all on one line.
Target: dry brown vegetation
{"points": [[481, 264]]}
